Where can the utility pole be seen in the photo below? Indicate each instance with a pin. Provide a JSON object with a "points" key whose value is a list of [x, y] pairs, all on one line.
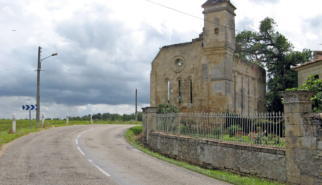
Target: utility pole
{"points": [[38, 87], [136, 104], [38, 82]]}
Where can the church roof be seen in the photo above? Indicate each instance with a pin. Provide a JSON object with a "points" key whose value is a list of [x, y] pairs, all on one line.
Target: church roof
{"points": [[212, 2]]}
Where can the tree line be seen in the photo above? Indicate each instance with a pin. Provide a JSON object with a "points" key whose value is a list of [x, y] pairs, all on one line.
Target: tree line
{"points": [[105, 117]]}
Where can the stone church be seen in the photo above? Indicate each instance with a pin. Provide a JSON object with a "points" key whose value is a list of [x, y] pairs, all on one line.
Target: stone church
{"points": [[204, 75]]}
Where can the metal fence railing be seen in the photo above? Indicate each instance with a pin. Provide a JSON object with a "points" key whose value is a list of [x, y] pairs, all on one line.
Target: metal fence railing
{"points": [[257, 129]]}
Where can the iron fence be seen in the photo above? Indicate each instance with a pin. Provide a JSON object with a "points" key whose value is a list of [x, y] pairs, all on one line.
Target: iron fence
{"points": [[257, 129]]}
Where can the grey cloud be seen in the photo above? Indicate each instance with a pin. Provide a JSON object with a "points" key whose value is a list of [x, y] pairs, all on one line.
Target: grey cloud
{"points": [[116, 54]]}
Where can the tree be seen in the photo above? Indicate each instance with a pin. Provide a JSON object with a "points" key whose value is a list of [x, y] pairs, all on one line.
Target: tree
{"points": [[271, 50]]}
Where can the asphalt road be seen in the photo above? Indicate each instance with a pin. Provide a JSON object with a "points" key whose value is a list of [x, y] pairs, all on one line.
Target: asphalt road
{"points": [[95, 154]]}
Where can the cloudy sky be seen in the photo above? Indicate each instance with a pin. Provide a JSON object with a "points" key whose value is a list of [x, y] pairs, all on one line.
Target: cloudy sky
{"points": [[105, 47]]}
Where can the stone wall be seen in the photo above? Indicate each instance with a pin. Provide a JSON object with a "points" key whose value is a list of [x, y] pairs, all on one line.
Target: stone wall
{"points": [[244, 159], [300, 163]]}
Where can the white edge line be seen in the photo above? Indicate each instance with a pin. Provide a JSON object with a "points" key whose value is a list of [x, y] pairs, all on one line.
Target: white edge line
{"points": [[81, 151], [102, 171]]}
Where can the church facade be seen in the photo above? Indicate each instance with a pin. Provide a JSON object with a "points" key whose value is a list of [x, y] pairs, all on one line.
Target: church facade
{"points": [[203, 75]]}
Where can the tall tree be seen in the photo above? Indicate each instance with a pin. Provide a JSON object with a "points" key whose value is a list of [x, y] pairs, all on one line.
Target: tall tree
{"points": [[271, 50]]}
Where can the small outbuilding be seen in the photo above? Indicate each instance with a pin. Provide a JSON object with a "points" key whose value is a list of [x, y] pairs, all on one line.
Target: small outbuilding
{"points": [[313, 67]]}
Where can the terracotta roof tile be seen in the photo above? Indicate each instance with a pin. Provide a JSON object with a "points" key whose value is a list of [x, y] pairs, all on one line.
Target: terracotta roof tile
{"points": [[308, 63]]}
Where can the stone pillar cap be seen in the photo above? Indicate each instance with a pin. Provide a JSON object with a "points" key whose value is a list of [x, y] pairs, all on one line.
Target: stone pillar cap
{"points": [[150, 109], [297, 96]]}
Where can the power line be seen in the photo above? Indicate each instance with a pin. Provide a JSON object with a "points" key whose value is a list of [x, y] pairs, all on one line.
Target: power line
{"points": [[15, 68], [16, 33], [92, 75], [122, 78], [17, 50], [193, 16]]}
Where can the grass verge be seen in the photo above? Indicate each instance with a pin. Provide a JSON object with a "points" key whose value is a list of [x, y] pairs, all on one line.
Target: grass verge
{"points": [[131, 136]]}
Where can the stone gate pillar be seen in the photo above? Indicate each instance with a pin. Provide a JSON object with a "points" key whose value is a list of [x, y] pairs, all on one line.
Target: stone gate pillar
{"points": [[147, 121], [298, 141]]}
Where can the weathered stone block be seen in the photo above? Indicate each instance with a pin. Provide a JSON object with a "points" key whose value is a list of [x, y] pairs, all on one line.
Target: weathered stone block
{"points": [[320, 145], [308, 143], [298, 107], [294, 130]]}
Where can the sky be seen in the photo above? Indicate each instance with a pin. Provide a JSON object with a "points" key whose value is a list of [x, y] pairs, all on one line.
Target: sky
{"points": [[105, 48]]}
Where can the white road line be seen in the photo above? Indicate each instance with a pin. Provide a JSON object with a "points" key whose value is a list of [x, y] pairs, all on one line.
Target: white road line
{"points": [[102, 171], [81, 151]]}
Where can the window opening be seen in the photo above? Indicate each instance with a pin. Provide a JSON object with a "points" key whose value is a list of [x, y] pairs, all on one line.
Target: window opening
{"points": [[168, 91], [216, 31], [190, 90], [180, 101]]}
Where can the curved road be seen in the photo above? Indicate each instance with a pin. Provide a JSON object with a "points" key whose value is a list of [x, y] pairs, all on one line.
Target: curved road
{"points": [[91, 154]]}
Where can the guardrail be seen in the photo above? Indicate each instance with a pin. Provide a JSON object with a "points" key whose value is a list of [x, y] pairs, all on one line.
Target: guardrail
{"points": [[256, 129]]}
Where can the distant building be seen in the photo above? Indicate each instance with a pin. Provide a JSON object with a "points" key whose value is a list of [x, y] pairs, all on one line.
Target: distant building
{"points": [[313, 67], [203, 75]]}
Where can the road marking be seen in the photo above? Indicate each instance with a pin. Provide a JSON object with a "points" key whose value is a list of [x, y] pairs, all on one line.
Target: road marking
{"points": [[80, 150], [100, 169]]}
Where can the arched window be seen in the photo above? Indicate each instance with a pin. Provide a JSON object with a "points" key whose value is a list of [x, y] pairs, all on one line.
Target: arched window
{"points": [[190, 90], [168, 91], [179, 85], [260, 107]]}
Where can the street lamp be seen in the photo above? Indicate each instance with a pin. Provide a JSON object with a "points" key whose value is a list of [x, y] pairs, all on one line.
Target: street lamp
{"points": [[38, 83]]}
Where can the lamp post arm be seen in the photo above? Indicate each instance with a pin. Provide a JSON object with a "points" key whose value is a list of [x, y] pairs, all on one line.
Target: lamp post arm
{"points": [[49, 56]]}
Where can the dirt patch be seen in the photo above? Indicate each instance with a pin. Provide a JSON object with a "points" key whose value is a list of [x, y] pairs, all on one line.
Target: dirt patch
{"points": [[137, 137]]}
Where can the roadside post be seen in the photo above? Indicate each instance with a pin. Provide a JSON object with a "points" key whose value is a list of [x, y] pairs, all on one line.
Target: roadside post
{"points": [[30, 118], [14, 123], [43, 120], [67, 119], [90, 116], [30, 108]]}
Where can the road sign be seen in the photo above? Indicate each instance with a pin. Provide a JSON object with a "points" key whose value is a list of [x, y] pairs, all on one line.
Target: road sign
{"points": [[29, 107]]}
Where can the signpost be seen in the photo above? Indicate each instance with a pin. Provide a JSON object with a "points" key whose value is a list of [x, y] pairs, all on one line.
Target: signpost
{"points": [[30, 108]]}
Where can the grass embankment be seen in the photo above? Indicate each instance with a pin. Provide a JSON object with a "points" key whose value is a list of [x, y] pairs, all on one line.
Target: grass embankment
{"points": [[132, 134], [23, 127]]}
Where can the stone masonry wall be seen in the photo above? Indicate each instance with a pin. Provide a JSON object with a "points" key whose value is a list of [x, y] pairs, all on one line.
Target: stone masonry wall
{"points": [[240, 158], [306, 150]]}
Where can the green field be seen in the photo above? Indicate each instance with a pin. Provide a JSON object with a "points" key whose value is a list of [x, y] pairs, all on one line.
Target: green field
{"points": [[23, 127]]}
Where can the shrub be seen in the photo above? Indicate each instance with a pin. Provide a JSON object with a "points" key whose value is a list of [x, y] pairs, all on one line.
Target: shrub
{"points": [[167, 108], [188, 122], [217, 132], [182, 129], [233, 129]]}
